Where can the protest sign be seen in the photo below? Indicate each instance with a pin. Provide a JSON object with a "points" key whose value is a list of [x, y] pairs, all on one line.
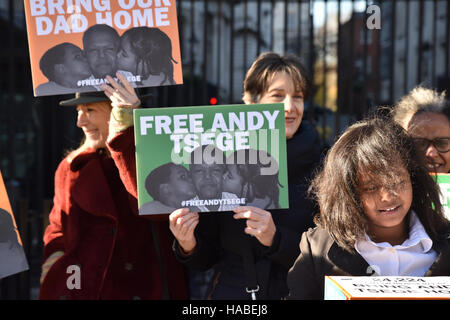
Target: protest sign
{"points": [[12, 256], [211, 158], [74, 44], [387, 288], [443, 179]]}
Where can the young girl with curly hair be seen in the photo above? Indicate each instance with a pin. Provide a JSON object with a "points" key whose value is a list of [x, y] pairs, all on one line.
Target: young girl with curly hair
{"points": [[380, 213]]}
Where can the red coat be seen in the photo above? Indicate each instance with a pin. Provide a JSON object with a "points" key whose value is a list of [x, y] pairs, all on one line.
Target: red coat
{"points": [[94, 221]]}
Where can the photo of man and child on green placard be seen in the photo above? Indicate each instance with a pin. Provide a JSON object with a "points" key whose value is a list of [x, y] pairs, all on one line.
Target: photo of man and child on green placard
{"points": [[222, 173]]}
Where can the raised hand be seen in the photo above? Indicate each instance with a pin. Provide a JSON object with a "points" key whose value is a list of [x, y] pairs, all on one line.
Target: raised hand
{"points": [[121, 95], [182, 223]]}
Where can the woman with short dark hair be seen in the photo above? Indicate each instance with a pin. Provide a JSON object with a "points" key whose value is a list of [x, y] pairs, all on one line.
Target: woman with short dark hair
{"points": [[254, 248]]}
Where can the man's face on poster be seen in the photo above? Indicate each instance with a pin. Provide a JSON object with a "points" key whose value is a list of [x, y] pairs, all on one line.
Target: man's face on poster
{"points": [[207, 179], [101, 52]]}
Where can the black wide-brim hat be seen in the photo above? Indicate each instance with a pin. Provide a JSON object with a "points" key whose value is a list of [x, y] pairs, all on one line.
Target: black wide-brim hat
{"points": [[85, 98], [96, 96]]}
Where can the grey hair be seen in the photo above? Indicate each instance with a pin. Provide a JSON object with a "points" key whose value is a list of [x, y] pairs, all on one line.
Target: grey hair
{"points": [[420, 99]]}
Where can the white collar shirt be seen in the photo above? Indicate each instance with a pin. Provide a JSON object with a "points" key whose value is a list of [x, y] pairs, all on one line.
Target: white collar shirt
{"points": [[411, 258]]}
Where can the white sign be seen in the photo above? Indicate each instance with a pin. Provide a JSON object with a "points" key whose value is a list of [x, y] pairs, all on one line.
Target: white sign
{"points": [[378, 287]]}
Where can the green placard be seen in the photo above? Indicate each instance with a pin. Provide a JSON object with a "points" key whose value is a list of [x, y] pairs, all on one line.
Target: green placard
{"points": [[444, 183], [211, 158]]}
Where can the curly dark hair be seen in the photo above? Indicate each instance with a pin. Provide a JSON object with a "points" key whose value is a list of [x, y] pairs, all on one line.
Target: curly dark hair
{"points": [[256, 183], [376, 147], [154, 50]]}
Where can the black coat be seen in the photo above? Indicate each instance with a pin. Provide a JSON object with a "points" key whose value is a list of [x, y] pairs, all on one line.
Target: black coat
{"points": [[321, 256], [221, 240]]}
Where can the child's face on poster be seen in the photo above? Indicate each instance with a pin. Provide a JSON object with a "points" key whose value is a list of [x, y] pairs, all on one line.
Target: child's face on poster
{"points": [[386, 206], [126, 59], [180, 183], [232, 180], [76, 63]]}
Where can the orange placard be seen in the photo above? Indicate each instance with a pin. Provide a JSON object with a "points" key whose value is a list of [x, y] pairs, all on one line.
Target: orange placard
{"points": [[74, 44], [386, 288], [4, 200], [12, 256]]}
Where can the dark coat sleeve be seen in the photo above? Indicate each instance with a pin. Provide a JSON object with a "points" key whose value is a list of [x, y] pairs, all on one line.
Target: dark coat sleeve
{"points": [[290, 224], [285, 247], [207, 252], [302, 277]]}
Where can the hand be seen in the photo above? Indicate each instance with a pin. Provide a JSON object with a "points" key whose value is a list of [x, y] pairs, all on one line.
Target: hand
{"points": [[259, 223], [182, 223], [122, 96]]}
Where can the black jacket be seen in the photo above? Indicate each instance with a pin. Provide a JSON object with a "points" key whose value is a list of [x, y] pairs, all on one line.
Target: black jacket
{"points": [[321, 256], [221, 240]]}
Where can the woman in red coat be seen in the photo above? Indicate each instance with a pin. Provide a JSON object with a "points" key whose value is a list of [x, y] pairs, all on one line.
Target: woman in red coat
{"points": [[96, 246]]}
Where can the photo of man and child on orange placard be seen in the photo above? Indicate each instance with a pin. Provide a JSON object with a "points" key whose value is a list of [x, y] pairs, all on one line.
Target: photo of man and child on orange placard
{"points": [[87, 43]]}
